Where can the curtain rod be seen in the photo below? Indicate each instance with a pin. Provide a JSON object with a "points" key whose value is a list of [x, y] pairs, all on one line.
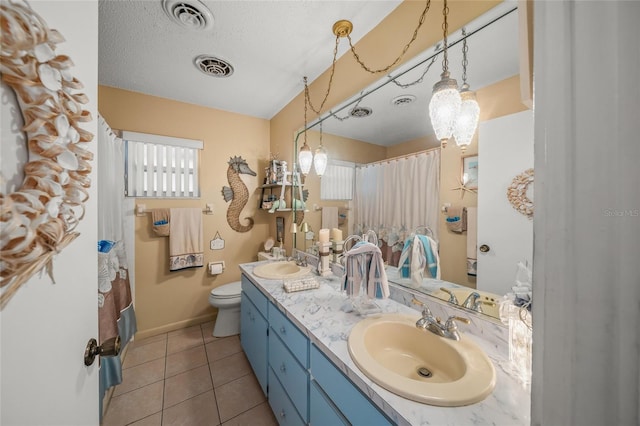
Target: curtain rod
{"points": [[399, 157]]}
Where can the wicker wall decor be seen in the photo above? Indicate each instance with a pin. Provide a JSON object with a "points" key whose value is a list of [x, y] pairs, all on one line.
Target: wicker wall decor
{"points": [[237, 193], [37, 221], [517, 193]]}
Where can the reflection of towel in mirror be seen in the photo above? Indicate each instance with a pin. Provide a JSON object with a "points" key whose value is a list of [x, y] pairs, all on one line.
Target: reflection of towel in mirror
{"points": [[329, 217], [364, 266], [454, 219], [185, 240], [420, 254], [472, 241]]}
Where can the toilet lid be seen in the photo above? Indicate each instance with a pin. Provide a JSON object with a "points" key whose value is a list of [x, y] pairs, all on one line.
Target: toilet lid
{"points": [[228, 290]]}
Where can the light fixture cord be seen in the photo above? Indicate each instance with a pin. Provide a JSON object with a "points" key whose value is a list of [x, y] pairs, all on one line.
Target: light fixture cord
{"points": [[465, 49], [445, 29], [306, 97], [326, 95], [406, 47]]}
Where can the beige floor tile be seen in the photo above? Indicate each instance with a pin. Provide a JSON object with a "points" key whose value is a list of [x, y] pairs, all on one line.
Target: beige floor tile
{"points": [[188, 359], [200, 410], [141, 354], [229, 368], [153, 420], [186, 385], [207, 331], [134, 405], [238, 396], [186, 338], [257, 416], [152, 339], [222, 348], [140, 375]]}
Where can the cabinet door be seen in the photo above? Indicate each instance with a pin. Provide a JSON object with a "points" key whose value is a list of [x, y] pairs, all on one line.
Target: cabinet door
{"points": [[321, 409], [253, 337]]}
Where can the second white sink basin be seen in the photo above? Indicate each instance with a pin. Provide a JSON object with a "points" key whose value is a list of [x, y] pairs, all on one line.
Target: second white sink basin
{"points": [[280, 270], [419, 365]]}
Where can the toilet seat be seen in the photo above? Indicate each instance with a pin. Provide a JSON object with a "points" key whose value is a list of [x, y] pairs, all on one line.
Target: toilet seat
{"points": [[227, 291]]}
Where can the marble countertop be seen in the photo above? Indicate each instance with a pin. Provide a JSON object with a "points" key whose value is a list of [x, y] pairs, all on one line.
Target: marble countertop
{"points": [[319, 315]]}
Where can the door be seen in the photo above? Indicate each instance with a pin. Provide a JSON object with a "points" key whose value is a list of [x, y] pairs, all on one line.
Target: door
{"points": [[45, 327], [505, 149]]}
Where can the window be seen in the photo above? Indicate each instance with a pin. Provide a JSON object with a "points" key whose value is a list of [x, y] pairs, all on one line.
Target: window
{"points": [[161, 166], [337, 181]]}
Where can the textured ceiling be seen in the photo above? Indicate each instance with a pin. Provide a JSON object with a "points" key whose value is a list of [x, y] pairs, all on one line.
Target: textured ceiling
{"points": [[270, 44]]}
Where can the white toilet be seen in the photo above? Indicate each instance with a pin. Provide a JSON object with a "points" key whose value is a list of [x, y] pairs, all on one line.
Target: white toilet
{"points": [[227, 299]]}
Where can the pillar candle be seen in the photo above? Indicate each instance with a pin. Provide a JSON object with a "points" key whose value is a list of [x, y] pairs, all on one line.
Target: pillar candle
{"points": [[323, 236], [336, 234]]}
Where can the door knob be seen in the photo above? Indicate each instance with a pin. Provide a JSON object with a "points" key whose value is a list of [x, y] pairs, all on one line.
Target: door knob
{"points": [[484, 248], [108, 348]]}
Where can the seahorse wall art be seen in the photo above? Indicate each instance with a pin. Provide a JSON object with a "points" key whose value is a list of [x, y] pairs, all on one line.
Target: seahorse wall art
{"points": [[237, 193]]}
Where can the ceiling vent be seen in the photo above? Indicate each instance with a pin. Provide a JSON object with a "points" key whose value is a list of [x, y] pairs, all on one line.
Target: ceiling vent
{"points": [[190, 14], [213, 66], [403, 100], [360, 112]]}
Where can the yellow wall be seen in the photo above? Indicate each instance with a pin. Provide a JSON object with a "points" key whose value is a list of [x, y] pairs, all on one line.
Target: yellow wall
{"points": [[170, 300]]}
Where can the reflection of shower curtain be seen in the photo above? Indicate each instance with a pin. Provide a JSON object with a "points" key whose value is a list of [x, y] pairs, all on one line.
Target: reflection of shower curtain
{"points": [[395, 197], [115, 307]]}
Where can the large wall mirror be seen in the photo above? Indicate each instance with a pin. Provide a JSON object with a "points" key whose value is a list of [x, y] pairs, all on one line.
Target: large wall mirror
{"points": [[390, 118]]}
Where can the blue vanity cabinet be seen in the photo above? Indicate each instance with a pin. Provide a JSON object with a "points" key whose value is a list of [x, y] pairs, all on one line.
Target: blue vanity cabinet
{"points": [[289, 364], [346, 402], [253, 330]]}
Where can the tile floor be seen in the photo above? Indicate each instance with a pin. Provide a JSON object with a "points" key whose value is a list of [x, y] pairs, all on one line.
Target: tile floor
{"points": [[188, 377]]}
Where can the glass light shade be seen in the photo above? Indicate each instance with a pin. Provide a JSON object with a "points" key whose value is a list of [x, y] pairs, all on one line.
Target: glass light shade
{"points": [[294, 228], [467, 121], [305, 227], [444, 107], [305, 158], [320, 160]]}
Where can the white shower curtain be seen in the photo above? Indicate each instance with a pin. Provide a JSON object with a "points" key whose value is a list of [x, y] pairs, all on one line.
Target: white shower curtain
{"points": [[116, 314], [395, 197]]}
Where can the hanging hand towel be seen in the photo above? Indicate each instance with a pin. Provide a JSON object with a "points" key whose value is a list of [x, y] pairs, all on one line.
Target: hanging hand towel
{"points": [[472, 241], [185, 239], [329, 217], [160, 219], [454, 219]]}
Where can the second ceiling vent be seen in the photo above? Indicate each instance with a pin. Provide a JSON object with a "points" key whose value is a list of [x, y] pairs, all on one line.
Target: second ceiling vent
{"points": [[191, 14]]}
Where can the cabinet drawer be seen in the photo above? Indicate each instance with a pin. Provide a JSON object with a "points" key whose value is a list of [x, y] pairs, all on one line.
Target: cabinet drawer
{"points": [[321, 410], [291, 336], [352, 403], [251, 291], [293, 377], [280, 403]]}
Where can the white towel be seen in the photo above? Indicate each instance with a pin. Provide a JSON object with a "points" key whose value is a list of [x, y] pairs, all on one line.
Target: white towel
{"points": [[185, 239], [329, 217], [472, 241]]}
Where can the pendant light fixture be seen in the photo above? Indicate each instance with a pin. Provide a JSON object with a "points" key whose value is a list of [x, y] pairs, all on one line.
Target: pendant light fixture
{"points": [[305, 156], [467, 120], [320, 158], [445, 100]]}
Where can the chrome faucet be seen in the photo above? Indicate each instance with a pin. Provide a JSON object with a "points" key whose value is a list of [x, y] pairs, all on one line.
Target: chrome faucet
{"points": [[447, 330], [474, 302], [301, 260], [452, 297]]}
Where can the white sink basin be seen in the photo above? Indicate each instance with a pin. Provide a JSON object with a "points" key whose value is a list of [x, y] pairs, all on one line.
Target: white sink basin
{"points": [[462, 294], [419, 365], [280, 270]]}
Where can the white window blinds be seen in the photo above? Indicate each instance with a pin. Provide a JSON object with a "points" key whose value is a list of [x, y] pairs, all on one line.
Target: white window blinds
{"points": [[337, 181], [161, 166]]}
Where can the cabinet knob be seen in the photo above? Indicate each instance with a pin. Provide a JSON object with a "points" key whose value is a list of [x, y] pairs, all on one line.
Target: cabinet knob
{"points": [[283, 330], [283, 414], [283, 368]]}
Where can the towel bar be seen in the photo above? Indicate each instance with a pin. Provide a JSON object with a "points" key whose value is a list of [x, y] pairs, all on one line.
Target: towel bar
{"points": [[141, 209]]}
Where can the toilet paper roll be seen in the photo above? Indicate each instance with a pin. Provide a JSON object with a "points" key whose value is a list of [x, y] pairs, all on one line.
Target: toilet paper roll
{"points": [[215, 268]]}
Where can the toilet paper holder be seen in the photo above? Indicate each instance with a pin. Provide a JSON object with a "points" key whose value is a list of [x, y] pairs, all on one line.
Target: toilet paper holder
{"points": [[216, 268]]}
